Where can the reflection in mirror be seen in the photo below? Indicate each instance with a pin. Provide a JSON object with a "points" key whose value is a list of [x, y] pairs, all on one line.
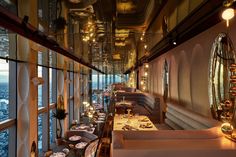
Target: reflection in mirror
{"points": [[165, 80], [222, 58]]}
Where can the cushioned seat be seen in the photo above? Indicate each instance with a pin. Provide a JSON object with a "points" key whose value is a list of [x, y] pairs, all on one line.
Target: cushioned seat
{"points": [[180, 118]]}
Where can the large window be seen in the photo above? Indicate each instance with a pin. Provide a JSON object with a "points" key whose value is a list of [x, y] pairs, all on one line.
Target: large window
{"points": [[52, 101], [4, 90], [4, 144], [7, 108], [40, 117], [40, 133], [40, 91]]}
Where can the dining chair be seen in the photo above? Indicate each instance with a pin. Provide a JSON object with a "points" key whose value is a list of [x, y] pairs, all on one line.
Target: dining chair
{"points": [[91, 148]]}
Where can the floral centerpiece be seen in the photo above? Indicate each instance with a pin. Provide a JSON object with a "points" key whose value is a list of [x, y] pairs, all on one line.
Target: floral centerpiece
{"points": [[60, 115]]}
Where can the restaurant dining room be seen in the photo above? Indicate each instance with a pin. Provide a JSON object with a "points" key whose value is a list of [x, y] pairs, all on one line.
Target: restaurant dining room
{"points": [[117, 78]]}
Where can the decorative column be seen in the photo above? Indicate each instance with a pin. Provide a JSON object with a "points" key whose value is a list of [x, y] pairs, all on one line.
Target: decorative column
{"points": [[26, 91]]}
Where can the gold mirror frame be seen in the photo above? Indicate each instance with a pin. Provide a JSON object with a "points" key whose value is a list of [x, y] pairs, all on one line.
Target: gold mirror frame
{"points": [[222, 58]]}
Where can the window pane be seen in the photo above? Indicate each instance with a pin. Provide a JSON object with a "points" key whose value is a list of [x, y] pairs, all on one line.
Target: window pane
{"points": [[40, 133], [50, 85], [94, 80], [52, 128], [40, 99], [4, 90], [4, 137]]}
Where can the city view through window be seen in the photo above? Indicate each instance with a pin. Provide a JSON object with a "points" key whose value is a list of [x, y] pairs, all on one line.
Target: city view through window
{"points": [[4, 105]]}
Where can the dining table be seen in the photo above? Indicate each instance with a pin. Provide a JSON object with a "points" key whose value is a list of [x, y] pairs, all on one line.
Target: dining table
{"points": [[130, 122]]}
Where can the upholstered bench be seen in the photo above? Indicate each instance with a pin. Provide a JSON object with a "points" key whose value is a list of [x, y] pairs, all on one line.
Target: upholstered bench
{"points": [[148, 101], [172, 143], [180, 118]]}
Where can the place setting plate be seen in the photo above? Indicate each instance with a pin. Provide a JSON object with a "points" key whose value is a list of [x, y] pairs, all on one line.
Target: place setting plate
{"points": [[58, 154], [81, 145], [75, 138]]}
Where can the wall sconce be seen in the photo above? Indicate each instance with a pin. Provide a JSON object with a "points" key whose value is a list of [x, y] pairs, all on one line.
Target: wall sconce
{"points": [[37, 81], [228, 13]]}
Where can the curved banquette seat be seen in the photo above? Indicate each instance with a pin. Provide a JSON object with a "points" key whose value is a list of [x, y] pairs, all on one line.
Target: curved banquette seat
{"points": [[193, 135], [180, 118], [141, 98], [148, 101]]}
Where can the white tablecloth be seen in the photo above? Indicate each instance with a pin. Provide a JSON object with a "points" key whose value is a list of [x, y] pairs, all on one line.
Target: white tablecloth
{"points": [[135, 121]]}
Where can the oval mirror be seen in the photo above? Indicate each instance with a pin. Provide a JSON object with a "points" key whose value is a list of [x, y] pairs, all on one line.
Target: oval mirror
{"points": [[221, 61], [165, 80]]}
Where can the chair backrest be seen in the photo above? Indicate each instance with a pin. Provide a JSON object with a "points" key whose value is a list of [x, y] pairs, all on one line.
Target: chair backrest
{"points": [[91, 148]]}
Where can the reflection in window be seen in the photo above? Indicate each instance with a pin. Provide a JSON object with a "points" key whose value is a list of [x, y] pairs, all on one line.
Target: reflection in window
{"points": [[4, 90], [4, 137]]}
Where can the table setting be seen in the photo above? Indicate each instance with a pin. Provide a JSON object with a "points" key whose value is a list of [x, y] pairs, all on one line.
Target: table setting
{"points": [[132, 123], [58, 154], [83, 127]]}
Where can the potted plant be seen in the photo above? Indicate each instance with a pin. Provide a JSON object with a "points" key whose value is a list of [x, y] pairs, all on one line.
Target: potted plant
{"points": [[60, 115]]}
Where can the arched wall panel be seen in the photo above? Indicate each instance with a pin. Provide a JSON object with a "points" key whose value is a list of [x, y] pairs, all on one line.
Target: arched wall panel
{"points": [[189, 65]]}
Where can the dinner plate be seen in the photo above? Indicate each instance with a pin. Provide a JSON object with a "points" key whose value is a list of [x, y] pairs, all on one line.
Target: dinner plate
{"points": [[99, 121], [81, 145], [58, 154], [74, 138], [100, 118]]}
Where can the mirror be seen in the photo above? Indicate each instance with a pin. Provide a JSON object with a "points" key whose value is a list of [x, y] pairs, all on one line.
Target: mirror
{"points": [[165, 80], [220, 84]]}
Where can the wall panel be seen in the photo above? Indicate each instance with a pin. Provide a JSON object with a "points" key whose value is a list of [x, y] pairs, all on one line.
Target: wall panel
{"points": [[189, 64]]}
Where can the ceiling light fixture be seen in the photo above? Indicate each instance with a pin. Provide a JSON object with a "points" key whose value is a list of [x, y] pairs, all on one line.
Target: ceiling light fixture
{"points": [[75, 1], [228, 12]]}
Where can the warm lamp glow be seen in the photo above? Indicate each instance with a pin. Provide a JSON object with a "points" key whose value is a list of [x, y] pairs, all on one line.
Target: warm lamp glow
{"points": [[146, 66], [145, 73], [228, 14], [141, 82], [75, 1], [145, 46]]}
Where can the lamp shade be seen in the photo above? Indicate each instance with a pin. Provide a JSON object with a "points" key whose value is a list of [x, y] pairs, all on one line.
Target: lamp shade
{"points": [[228, 14]]}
